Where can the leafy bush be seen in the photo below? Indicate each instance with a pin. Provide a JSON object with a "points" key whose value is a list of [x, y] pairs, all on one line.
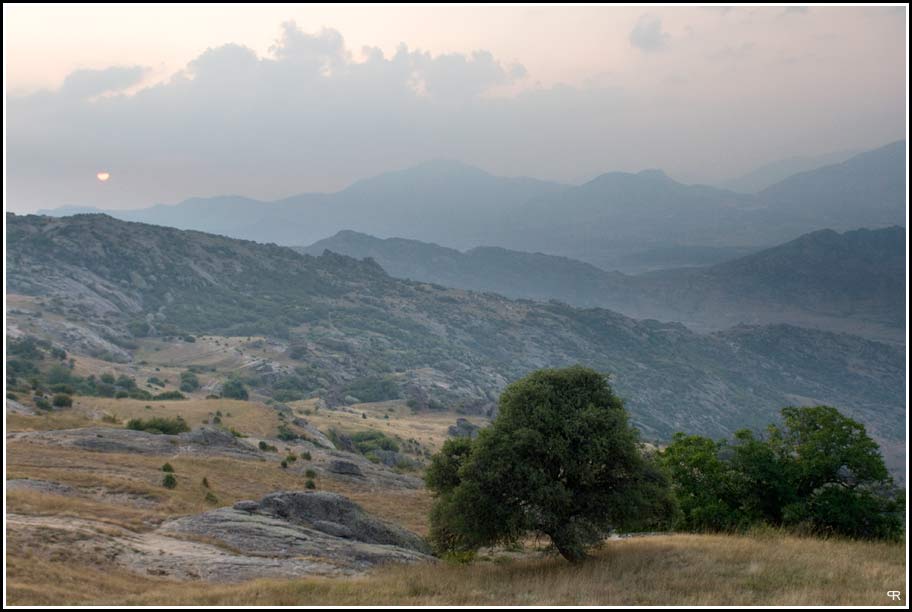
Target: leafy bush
{"points": [[310, 474], [285, 434], [169, 395], [371, 440], [306, 455], [819, 473], [189, 382], [210, 498], [169, 481], [159, 425], [310, 484], [139, 328], [167, 468], [234, 389], [267, 447], [42, 403], [374, 389], [61, 400]]}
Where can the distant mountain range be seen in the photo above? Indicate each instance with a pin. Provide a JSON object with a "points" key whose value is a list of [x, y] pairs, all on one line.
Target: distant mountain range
{"points": [[852, 282], [630, 222], [768, 175], [346, 320]]}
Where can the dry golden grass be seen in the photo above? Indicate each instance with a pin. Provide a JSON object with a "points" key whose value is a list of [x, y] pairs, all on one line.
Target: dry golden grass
{"points": [[250, 418], [429, 428], [56, 419], [661, 570], [247, 417], [230, 480]]}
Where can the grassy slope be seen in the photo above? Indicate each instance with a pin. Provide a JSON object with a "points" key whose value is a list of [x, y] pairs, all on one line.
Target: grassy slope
{"points": [[660, 570]]}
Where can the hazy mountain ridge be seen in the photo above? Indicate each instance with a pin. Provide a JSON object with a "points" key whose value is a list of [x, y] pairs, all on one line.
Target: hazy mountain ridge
{"points": [[350, 320], [615, 221], [853, 281], [760, 178]]}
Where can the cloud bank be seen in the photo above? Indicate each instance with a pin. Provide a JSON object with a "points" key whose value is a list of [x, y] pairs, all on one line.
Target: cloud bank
{"points": [[314, 115]]}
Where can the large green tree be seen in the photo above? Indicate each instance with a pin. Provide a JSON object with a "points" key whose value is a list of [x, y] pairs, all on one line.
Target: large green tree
{"points": [[559, 459]]}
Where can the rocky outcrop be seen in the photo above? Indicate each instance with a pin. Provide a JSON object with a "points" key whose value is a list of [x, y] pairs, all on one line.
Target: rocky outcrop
{"points": [[346, 468], [463, 429], [316, 508], [14, 407], [313, 434], [325, 527]]}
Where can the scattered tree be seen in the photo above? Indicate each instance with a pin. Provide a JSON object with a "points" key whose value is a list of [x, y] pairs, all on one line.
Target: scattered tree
{"points": [[560, 459]]}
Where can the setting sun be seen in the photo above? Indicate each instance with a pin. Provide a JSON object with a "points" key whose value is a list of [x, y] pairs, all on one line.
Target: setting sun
{"points": [[103, 176]]}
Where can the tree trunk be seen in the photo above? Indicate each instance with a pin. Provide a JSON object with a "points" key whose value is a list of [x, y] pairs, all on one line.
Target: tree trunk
{"points": [[569, 549]]}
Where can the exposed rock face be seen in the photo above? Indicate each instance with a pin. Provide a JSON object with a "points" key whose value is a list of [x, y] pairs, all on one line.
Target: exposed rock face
{"points": [[314, 508], [344, 467], [201, 441], [392, 458], [246, 505], [463, 429], [326, 527], [14, 407], [313, 433]]}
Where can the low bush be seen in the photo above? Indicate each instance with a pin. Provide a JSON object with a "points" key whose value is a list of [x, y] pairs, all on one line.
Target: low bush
{"points": [[62, 400], [159, 425]]}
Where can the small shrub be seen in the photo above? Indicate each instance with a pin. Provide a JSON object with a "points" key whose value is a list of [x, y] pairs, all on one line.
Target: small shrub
{"points": [[306, 455], [284, 464], [291, 458], [310, 484], [205, 482], [234, 389], [169, 395], [169, 481], [42, 403], [310, 474], [167, 468], [62, 400], [12, 396], [267, 447], [285, 434], [211, 498], [161, 425]]}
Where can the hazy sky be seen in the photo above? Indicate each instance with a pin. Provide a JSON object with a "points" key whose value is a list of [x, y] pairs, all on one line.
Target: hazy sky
{"points": [[272, 100]]}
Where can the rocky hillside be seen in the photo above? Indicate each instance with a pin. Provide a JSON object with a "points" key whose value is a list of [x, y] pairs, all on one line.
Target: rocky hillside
{"points": [[853, 282], [351, 326]]}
